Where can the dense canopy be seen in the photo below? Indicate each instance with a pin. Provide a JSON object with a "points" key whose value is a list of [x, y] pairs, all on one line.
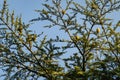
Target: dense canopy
{"points": [[90, 51]]}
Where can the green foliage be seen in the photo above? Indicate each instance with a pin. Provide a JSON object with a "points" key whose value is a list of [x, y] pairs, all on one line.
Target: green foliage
{"points": [[92, 35]]}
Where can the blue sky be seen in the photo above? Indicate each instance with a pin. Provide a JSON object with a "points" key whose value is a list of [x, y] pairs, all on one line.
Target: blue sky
{"points": [[27, 9]]}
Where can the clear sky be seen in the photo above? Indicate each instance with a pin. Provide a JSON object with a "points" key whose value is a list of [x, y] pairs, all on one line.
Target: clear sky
{"points": [[27, 7]]}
